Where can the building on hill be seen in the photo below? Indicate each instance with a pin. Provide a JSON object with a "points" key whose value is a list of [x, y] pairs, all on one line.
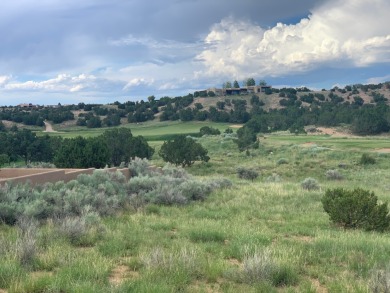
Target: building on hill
{"points": [[26, 105], [239, 91]]}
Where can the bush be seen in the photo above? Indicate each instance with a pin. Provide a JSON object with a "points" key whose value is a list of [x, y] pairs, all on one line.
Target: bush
{"points": [[282, 161], [333, 175], [356, 209], [26, 246], [207, 130], [310, 184], [366, 159], [274, 178], [249, 174], [380, 280]]}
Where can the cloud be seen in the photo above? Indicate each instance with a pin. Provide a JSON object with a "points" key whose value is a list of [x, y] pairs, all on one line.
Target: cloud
{"points": [[136, 82], [341, 33], [62, 83], [4, 79]]}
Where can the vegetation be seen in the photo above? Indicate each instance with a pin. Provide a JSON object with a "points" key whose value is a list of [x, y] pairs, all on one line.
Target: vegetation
{"points": [[356, 208], [144, 235], [172, 229], [183, 151]]}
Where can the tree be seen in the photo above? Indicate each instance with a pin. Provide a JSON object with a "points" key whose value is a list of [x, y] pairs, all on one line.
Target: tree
{"points": [[183, 151], [246, 139], [262, 83], [236, 85], [250, 82], [227, 85], [3, 159]]}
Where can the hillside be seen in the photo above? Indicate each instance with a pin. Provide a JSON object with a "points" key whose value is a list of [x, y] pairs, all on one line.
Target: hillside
{"points": [[299, 107]]}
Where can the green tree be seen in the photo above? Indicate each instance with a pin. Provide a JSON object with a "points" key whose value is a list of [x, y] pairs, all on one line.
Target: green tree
{"points": [[236, 85], [250, 82], [183, 151], [246, 139], [3, 159]]}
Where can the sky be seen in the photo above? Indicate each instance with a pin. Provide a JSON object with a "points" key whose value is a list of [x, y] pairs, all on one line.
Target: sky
{"points": [[101, 51]]}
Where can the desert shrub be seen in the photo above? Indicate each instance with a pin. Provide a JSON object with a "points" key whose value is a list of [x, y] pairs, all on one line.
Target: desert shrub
{"points": [[140, 167], [245, 173], [380, 280], [257, 267], [282, 161], [175, 171], [274, 178], [83, 230], [26, 246], [366, 159], [333, 175], [310, 184], [356, 208]]}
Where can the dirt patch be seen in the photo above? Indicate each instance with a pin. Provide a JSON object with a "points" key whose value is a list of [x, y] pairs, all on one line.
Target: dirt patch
{"points": [[40, 274], [384, 150], [3, 291], [199, 286], [308, 144], [306, 239], [334, 132], [49, 127], [234, 262], [122, 273], [318, 287], [236, 126]]}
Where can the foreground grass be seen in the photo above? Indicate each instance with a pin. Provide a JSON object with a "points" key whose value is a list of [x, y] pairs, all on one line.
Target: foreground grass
{"points": [[256, 237]]}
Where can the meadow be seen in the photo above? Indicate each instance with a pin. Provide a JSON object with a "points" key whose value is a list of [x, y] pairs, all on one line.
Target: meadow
{"points": [[265, 235]]}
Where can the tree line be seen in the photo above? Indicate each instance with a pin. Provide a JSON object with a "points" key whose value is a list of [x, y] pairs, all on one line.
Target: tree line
{"points": [[112, 148]]}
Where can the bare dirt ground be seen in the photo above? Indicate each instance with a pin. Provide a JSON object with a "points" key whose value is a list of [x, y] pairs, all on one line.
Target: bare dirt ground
{"points": [[334, 132], [385, 150], [49, 127]]}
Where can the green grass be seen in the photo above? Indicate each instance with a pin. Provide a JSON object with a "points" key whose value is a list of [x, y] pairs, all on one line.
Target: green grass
{"points": [[214, 245], [151, 130]]}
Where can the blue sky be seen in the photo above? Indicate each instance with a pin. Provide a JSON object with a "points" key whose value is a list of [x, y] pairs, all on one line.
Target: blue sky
{"points": [[101, 51]]}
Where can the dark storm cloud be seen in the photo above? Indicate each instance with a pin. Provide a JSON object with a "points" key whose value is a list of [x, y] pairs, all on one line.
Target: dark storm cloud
{"points": [[63, 35]]}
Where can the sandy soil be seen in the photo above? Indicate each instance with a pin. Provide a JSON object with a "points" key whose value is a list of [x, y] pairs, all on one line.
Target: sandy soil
{"points": [[334, 132], [49, 127]]}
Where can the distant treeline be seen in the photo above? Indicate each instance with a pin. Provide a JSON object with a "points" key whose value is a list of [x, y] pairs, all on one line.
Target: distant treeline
{"points": [[112, 148], [297, 108]]}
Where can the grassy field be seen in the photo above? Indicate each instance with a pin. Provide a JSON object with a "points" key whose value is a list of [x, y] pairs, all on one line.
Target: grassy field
{"points": [[151, 130], [268, 235]]}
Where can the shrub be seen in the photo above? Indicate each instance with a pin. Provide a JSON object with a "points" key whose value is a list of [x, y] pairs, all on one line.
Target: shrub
{"points": [[282, 161], [356, 208], [26, 247], [140, 167], [274, 178], [366, 159], [207, 130], [380, 280], [333, 175], [260, 267], [310, 184], [245, 173]]}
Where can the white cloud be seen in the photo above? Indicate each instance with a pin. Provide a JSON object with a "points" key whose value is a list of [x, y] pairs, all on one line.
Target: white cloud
{"points": [[135, 82], [61, 83], [4, 79], [344, 33], [378, 79]]}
